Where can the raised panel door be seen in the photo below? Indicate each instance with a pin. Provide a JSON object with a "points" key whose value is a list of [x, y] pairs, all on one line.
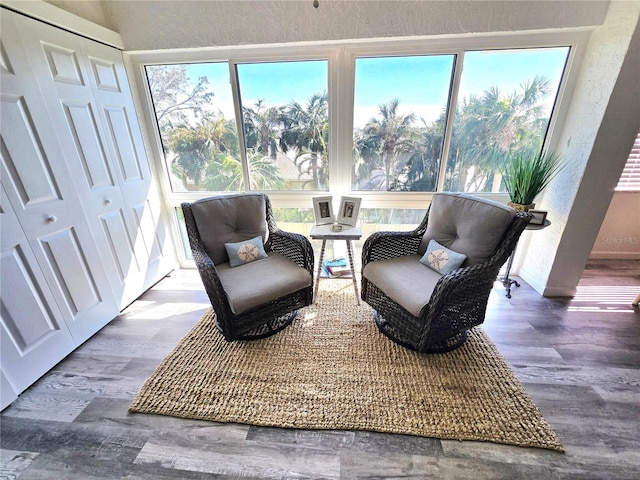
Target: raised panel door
{"points": [[112, 92], [34, 333], [7, 393], [88, 95], [41, 190]]}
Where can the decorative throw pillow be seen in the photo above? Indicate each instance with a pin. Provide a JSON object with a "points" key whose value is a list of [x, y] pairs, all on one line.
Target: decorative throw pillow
{"points": [[441, 259], [245, 252]]}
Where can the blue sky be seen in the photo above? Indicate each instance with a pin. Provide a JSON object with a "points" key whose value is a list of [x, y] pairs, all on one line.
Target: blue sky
{"points": [[421, 83]]}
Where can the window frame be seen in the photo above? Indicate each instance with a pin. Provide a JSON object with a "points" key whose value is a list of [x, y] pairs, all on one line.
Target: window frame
{"points": [[341, 59]]}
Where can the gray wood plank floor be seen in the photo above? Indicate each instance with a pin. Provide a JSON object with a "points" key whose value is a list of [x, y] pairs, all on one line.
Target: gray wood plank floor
{"points": [[579, 359]]}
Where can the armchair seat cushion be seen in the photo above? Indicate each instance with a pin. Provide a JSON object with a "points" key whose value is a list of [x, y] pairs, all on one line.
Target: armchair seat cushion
{"points": [[404, 280], [262, 281]]}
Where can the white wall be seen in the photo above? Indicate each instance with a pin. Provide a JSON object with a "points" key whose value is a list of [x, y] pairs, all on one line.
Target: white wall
{"points": [[152, 25], [88, 9], [596, 139], [619, 235]]}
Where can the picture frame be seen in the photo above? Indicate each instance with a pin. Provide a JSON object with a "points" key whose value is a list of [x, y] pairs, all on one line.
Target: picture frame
{"points": [[349, 209], [323, 210], [539, 216]]}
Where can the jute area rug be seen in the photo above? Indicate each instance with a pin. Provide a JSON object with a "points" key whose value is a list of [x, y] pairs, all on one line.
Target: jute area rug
{"points": [[332, 369]]}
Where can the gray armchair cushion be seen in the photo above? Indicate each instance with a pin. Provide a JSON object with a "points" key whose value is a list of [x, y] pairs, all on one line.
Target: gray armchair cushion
{"points": [[404, 280], [228, 219], [262, 281], [467, 224]]}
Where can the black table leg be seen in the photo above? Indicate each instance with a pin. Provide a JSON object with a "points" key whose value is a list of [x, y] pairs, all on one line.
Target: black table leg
{"points": [[506, 281]]}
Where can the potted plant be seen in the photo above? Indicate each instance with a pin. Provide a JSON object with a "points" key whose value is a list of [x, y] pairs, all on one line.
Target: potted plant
{"points": [[525, 176]]}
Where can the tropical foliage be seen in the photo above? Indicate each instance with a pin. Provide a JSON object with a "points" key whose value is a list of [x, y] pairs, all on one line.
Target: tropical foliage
{"points": [[175, 98], [393, 151], [305, 130], [492, 127], [385, 145]]}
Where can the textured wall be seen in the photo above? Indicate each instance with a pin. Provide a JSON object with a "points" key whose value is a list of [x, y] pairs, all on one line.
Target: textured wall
{"points": [[150, 25], [88, 9], [596, 138]]}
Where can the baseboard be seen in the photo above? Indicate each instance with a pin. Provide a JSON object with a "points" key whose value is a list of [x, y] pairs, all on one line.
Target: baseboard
{"points": [[531, 280], [614, 256], [559, 292], [546, 290]]}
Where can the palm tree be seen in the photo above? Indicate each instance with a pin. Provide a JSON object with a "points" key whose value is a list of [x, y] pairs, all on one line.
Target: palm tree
{"points": [[424, 164], [491, 127], [386, 142], [220, 134], [306, 130], [224, 173], [191, 154], [260, 128], [195, 146]]}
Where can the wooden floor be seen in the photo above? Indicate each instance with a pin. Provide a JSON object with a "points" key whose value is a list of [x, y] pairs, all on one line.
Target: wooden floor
{"points": [[579, 359]]}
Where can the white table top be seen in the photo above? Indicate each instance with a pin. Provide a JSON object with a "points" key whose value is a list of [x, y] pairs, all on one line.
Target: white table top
{"points": [[324, 232]]}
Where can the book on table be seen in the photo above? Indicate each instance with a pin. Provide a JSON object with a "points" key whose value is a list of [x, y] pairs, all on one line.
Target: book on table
{"points": [[335, 268], [339, 271]]}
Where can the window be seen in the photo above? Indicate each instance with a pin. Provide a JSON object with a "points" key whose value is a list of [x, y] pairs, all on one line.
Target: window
{"points": [[402, 113], [503, 108], [390, 121], [630, 178], [284, 125], [400, 110], [286, 118], [194, 112]]}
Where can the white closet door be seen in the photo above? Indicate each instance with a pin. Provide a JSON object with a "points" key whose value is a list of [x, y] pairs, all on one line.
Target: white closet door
{"points": [[87, 93], [42, 193], [7, 393], [111, 91], [34, 334]]}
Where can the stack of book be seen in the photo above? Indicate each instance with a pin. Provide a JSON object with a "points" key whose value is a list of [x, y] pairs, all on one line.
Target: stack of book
{"points": [[335, 268]]}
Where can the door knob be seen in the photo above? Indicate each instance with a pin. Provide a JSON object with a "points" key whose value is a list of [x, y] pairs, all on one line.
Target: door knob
{"points": [[51, 218]]}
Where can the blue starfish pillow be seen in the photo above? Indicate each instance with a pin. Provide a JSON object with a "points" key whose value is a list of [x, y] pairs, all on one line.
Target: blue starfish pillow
{"points": [[441, 259], [245, 252]]}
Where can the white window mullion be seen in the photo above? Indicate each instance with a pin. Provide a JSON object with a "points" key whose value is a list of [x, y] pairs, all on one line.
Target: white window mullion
{"points": [[451, 112], [341, 122], [237, 106]]}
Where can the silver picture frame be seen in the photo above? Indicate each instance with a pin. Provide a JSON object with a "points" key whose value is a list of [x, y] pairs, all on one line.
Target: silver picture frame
{"points": [[349, 209], [323, 210]]}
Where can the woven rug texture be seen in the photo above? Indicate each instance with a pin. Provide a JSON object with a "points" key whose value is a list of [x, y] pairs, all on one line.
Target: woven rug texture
{"points": [[332, 369]]}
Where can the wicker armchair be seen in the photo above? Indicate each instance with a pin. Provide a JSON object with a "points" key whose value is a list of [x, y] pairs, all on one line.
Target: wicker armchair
{"points": [[259, 298], [418, 307]]}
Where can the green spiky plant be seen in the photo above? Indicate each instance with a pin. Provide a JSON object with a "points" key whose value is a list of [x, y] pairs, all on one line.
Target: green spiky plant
{"points": [[525, 176]]}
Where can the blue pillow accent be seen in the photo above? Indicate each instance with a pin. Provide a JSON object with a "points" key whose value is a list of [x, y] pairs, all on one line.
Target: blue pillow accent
{"points": [[247, 251], [441, 259]]}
